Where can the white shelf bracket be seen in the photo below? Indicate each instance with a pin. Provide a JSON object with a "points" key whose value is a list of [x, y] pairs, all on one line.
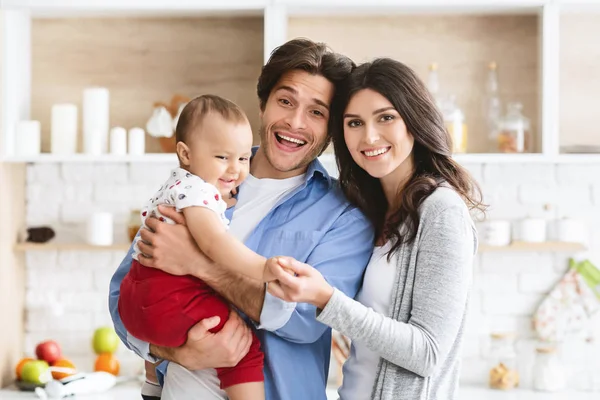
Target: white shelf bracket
{"points": [[15, 75], [276, 28], [549, 79]]}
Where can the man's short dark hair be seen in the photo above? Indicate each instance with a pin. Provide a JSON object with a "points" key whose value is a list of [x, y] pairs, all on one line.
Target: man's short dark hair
{"points": [[306, 55]]}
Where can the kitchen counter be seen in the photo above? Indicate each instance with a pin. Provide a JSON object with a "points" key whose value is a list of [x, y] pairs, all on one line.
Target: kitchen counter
{"points": [[130, 391]]}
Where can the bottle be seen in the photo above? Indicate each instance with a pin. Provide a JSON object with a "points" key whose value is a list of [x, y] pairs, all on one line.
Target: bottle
{"points": [[492, 105], [514, 134], [133, 224], [454, 119], [548, 373], [433, 83], [503, 362]]}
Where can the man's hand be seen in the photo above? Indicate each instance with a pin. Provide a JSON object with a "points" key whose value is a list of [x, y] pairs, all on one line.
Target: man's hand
{"points": [[170, 248], [204, 349]]}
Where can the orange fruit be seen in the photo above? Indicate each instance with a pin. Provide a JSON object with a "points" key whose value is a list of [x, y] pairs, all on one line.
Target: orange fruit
{"points": [[107, 362], [63, 363], [20, 365]]}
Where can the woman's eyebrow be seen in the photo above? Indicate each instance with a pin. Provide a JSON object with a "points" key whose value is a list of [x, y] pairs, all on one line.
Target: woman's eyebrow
{"points": [[379, 110]]}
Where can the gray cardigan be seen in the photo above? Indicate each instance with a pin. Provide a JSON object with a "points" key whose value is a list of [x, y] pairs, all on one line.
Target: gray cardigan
{"points": [[419, 341]]}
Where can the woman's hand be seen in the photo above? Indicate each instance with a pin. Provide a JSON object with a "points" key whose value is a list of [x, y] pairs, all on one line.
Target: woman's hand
{"points": [[307, 286], [170, 248]]}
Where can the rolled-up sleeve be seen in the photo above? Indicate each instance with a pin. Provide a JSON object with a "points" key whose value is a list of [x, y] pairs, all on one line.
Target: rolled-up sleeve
{"points": [[275, 312]]}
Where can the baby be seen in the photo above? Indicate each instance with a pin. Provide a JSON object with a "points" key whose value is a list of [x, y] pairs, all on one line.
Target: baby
{"points": [[214, 141]]}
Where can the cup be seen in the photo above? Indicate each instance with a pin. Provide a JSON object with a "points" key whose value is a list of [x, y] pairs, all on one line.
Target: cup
{"points": [[495, 233], [100, 229], [532, 230]]}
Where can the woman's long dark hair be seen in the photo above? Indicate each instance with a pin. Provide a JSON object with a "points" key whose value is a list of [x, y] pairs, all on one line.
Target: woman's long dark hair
{"points": [[432, 150]]}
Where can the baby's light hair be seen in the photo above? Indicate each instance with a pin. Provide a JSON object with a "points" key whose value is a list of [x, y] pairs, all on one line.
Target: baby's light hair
{"points": [[196, 110]]}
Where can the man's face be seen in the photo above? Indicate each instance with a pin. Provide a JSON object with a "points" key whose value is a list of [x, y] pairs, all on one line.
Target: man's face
{"points": [[294, 122]]}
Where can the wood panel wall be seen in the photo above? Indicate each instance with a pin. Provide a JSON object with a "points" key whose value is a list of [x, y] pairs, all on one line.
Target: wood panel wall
{"points": [[462, 46], [143, 60], [579, 79]]}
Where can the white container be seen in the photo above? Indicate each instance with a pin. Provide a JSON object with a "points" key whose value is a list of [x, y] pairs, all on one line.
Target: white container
{"points": [[100, 229], [495, 233], [532, 230], [63, 130], [118, 141], [548, 373], [28, 140], [137, 141], [571, 230], [96, 119]]}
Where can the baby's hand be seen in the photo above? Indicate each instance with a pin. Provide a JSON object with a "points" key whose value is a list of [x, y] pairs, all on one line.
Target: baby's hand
{"points": [[270, 265], [230, 202]]}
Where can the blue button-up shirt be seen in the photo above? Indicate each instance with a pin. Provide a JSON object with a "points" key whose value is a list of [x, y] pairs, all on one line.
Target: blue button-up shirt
{"points": [[314, 224]]}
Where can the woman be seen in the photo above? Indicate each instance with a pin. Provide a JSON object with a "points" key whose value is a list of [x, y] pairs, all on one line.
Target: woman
{"points": [[395, 163]]}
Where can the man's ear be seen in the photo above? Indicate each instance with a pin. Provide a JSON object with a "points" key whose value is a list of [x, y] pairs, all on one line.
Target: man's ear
{"points": [[183, 151]]}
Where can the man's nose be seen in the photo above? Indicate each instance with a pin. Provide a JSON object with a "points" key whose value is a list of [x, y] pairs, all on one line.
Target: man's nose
{"points": [[297, 119]]}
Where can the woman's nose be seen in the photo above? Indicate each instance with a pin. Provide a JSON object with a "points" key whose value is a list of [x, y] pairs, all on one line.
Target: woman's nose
{"points": [[371, 135]]}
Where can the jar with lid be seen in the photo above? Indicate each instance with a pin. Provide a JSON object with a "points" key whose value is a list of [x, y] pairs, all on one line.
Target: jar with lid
{"points": [[548, 373], [514, 135], [134, 224], [503, 362], [454, 120]]}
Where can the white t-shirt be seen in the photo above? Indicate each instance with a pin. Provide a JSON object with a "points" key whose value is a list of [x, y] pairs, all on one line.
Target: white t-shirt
{"points": [[255, 199], [360, 369]]}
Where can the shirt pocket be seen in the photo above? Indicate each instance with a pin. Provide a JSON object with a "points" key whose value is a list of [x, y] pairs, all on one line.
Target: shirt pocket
{"points": [[284, 242]]}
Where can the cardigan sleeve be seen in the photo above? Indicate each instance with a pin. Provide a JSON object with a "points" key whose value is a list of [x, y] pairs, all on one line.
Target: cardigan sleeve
{"points": [[440, 295]]}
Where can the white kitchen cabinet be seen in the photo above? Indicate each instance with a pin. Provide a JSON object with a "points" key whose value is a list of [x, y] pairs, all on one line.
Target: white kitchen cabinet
{"points": [[522, 36]]}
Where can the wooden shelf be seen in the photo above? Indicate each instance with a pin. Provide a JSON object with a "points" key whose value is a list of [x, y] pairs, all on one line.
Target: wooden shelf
{"points": [[69, 247], [546, 247], [79, 158]]}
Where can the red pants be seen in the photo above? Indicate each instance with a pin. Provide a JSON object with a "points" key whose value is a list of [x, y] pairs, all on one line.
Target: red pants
{"points": [[160, 308]]}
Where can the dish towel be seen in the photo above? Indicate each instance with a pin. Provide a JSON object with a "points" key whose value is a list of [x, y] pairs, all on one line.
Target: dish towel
{"points": [[566, 310]]}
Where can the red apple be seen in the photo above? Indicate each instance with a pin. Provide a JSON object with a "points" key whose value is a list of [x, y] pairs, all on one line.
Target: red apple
{"points": [[48, 351]]}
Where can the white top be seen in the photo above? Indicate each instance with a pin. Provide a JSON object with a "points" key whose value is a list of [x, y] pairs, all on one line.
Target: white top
{"points": [[360, 369], [183, 189], [255, 199]]}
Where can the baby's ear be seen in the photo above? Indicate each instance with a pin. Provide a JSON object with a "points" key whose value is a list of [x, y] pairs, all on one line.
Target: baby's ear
{"points": [[183, 152]]}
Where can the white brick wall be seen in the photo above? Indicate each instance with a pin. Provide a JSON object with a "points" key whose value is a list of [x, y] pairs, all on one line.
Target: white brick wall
{"points": [[67, 291]]}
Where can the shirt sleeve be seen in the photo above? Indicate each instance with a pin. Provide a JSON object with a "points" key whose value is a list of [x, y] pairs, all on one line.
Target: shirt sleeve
{"points": [[341, 257], [194, 192], [139, 347], [439, 301]]}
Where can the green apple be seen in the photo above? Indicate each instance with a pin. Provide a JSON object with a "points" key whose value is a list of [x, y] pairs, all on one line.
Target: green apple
{"points": [[36, 371], [105, 340]]}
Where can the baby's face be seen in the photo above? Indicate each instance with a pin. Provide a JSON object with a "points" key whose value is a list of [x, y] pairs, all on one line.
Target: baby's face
{"points": [[220, 153]]}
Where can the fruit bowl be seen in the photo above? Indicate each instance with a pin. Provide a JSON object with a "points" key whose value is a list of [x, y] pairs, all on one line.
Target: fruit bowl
{"points": [[28, 386]]}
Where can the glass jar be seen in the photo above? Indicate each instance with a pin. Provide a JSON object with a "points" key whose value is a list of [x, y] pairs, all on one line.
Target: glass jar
{"points": [[503, 362], [548, 373], [134, 224], [454, 120], [514, 135]]}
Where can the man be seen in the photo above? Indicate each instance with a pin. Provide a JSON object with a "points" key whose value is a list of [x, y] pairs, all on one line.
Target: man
{"points": [[288, 206]]}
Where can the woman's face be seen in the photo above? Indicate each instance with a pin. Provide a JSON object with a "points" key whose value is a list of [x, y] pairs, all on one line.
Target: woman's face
{"points": [[377, 137]]}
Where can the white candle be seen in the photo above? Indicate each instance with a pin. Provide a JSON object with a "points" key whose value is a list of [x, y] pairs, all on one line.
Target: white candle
{"points": [[118, 141], [137, 141], [63, 133], [28, 140], [100, 229], [96, 115]]}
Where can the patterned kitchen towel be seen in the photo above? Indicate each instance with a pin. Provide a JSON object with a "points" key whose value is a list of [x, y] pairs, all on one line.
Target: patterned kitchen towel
{"points": [[567, 308]]}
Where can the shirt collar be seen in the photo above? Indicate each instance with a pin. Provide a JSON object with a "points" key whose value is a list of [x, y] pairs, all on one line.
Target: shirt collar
{"points": [[315, 169]]}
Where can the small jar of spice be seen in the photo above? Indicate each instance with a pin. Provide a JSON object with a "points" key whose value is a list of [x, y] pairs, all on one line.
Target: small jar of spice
{"points": [[503, 362]]}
